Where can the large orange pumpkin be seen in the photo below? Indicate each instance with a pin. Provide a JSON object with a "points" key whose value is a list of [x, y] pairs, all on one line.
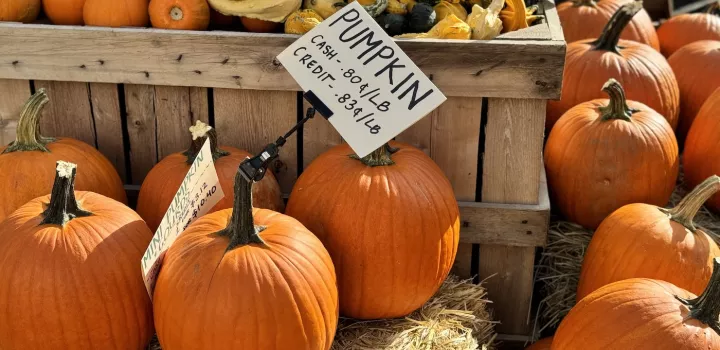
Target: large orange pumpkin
{"points": [[542, 344], [604, 154], [646, 241], [115, 13], [27, 163], [246, 278], [180, 14], [64, 12], [687, 28], [390, 222], [697, 69], [585, 19], [24, 11], [702, 147], [644, 72], [644, 314], [70, 276], [161, 184]]}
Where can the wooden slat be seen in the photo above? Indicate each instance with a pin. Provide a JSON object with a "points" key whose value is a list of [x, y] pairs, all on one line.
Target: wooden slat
{"points": [[140, 108], [68, 114], [13, 94], [552, 19], [250, 119], [199, 109], [463, 262], [511, 174], [174, 118], [105, 105], [318, 136], [420, 133], [494, 68]]}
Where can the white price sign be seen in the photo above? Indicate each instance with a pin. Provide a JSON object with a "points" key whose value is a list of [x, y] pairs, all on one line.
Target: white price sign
{"points": [[370, 85], [198, 193]]}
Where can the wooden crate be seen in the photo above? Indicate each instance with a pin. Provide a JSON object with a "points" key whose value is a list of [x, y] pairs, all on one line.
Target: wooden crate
{"points": [[133, 93]]}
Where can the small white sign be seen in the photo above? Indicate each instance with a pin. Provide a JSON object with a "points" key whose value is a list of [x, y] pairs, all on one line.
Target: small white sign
{"points": [[371, 86], [198, 193]]}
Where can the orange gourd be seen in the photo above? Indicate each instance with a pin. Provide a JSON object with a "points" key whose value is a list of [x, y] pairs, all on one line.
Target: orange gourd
{"points": [[646, 241], [180, 14], [644, 72], [64, 12], [24, 11], [687, 28], [259, 26], [515, 15], [585, 19], [164, 179], [697, 69], [702, 147], [246, 278], [644, 314], [389, 220], [70, 277], [542, 344], [27, 163], [116, 13], [604, 154]]}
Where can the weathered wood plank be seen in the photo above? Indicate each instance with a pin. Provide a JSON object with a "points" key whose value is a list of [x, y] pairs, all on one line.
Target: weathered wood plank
{"points": [[552, 19], [140, 108], [463, 262], [174, 118], [105, 104], [420, 133], [13, 94], [250, 119], [494, 68], [318, 136], [199, 108], [68, 114]]}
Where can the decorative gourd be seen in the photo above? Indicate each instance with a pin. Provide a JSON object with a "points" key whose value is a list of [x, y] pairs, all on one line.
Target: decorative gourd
{"points": [[643, 313], [180, 14], [25, 11], [376, 8], [164, 179], [486, 23], [696, 69], [392, 24], [408, 3], [421, 18], [270, 11], [702, 154], [397, 8], [585, 19], [542, 344], [389, 220], [516, 16], [688, 28], [259, 26], [64, 12], [646, 241], [27, 163], [70, 277], [301, 22], [250, 279], [445, 8], [126, 13], [449, 28], [325, 8], [604, 154], [644, 73]]}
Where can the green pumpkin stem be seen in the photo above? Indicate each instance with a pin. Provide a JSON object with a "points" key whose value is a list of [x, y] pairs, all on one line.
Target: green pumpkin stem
{"points": [[617, 107], [63, 205], [28, 136], [685, 211], [242, 229], [608, 40], [714, 9], [379, 157], [201, 132], [706, 307]]}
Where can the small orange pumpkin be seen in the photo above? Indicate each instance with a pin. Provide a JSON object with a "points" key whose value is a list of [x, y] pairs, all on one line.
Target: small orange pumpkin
{"points": [[180, 14], [687, 28], [116, 13], [64, 12], [702, 152], [259, 26], [25, 11]]}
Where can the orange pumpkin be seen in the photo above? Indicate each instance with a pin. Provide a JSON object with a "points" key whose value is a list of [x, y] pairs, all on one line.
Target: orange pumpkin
{"points": [[390, 221], [585, 19], [64, 12], [25, 11], [645, 74], [259, 26], [687, 28], [27, 162], [702, 147], [161, 184], [70, 272], [604, 154], [126, 13], [696, 69], [644, 314], [646, 241], [246, 279], [180, 14], [542, 344]]}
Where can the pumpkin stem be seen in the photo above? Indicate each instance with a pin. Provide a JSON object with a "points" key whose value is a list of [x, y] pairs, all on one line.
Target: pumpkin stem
{"points": [[241, 229], [379, 157], [28, 136], [714, 9], [617, 107], [706, 307], [578, 3], [685, 211], [201, 132], [63, 206], [608, 40]]}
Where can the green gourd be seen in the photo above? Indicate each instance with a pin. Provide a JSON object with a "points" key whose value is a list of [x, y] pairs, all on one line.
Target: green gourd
{"points": [[421, 18], [393, 24]]}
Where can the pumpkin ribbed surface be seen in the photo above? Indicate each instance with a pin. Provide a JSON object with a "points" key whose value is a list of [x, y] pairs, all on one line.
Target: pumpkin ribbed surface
{"points": [[702, 147], [64, 12], [687, 28], [24, 11]]}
